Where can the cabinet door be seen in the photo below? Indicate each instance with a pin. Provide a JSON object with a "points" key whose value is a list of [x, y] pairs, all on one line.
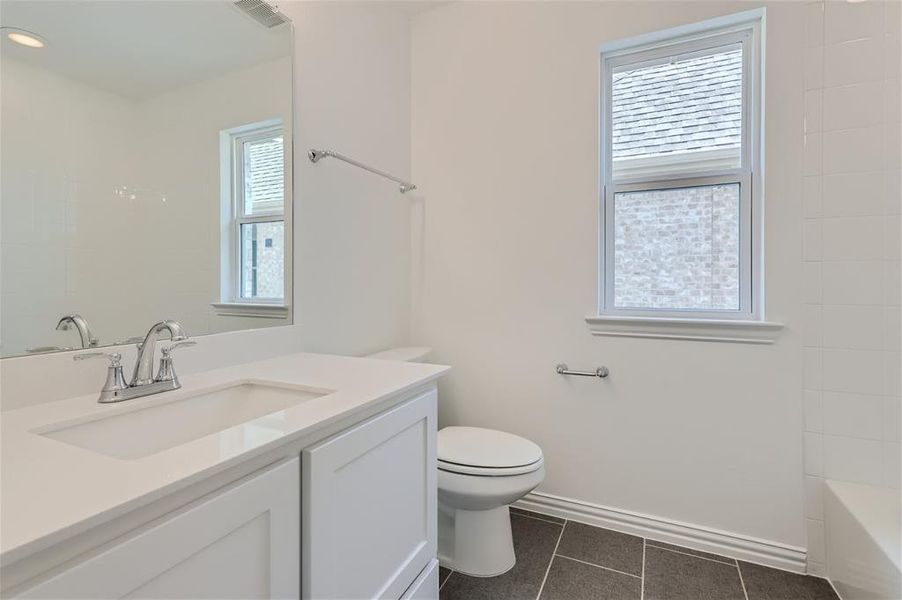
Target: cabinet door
{"points": [[369, 508], [243, 542]]}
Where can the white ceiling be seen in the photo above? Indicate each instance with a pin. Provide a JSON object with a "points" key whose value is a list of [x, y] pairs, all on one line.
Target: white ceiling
{"points": [[140, 48], [415, 7]]}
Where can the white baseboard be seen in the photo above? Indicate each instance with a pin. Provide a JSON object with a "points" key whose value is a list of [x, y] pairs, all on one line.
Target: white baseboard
{"points": [[762, 552], [817, 568]]}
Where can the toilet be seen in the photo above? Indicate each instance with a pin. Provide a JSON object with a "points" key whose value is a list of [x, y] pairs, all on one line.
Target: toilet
{"points": [[480, 473]]}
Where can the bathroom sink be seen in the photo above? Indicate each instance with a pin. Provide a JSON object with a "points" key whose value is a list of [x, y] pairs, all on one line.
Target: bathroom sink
{"points": [[148, 429]]}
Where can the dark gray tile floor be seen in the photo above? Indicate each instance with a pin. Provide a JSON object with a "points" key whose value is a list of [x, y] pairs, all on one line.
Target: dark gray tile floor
{"points": [[566, 560]]}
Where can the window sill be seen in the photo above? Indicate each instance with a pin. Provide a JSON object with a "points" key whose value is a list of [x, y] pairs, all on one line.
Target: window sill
{"points": [[247, 309], [709, 330]]}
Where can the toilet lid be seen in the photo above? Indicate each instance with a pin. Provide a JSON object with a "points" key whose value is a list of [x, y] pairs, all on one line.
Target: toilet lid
{"points": [[485, 448]]}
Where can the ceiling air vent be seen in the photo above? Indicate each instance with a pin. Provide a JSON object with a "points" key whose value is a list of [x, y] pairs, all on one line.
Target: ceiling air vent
{"points": [[263, 13]]}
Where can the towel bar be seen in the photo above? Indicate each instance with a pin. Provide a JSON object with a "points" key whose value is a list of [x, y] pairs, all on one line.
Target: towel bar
{"points": [[600, 372]]}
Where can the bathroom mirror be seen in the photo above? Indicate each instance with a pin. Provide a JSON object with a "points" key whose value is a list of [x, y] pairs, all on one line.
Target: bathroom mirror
{"points": [[145, 167]]}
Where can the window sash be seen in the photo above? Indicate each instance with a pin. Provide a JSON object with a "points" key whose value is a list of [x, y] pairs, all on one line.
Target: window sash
{"points": [[238, 162], [239, 280], [746, 291], [660, 54], [645, 176]]}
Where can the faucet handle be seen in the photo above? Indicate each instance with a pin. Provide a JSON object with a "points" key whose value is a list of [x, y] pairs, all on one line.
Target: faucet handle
{"points": [[115, 381], [167, 371], [182, 344], [114, 357]]}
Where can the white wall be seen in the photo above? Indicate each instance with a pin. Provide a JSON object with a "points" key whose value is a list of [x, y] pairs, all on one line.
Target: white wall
{"points": [[851, 249], [505, 149], [352, 227]]}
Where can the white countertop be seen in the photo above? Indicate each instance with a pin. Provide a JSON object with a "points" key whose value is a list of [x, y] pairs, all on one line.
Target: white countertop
{"points": [[52, 490]]}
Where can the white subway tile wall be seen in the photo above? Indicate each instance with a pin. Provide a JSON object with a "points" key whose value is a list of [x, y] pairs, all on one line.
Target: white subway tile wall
{"points": [[814, 411], [856, 105], [853, 415], [815, 543], [814, 498], [811, 282], [853, 238], [853, 459], [854, 61], [845, 22], [854, 327], [813, 196], [813, 111], [851, 249], [814, 144], [867, 188], [853, 150]]}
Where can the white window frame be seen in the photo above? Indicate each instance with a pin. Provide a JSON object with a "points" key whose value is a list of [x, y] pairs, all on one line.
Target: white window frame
{"points": [[232, 143], [708, 169]]}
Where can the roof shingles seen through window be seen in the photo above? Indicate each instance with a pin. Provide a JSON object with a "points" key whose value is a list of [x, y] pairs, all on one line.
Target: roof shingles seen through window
{"points": [[264, 173], [682, 106]]}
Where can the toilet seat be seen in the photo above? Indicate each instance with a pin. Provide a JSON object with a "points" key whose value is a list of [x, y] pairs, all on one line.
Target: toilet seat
{"points": [[490, 471], [486, 452]]}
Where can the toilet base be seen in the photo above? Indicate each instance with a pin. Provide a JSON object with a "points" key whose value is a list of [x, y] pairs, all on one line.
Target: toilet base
{"points": [[476, 542]]}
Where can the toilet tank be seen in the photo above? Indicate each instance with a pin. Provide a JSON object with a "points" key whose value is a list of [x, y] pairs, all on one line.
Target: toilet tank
{"points": [[407, 354]]}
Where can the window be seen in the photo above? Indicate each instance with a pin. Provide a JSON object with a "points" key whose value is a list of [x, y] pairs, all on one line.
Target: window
{"points": [[254, 224], [680, 146]]}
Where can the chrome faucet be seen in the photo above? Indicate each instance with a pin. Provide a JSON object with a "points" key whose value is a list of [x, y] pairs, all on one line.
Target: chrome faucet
{"points": [[143, 374], [143, 383], [81, 325]]}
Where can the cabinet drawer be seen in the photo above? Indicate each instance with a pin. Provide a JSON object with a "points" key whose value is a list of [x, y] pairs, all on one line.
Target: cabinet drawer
{"points": [[369, 505]]}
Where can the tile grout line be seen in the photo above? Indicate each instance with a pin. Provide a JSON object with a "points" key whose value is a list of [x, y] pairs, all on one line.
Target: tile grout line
{"points": [[642, 583], [597, 566], [735, 563], [742, 581], [551, 560]]}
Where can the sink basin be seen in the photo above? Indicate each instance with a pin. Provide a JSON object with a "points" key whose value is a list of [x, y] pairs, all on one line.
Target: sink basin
{"points": [[150, 429]]}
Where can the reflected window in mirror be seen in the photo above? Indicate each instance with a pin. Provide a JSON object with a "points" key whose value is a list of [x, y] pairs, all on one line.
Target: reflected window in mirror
{"points": [[253, 198]]}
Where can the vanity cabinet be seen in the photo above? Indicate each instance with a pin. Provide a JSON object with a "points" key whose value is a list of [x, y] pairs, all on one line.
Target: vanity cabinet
{"points": [[349, 513], [369, 507], [242, 542]]}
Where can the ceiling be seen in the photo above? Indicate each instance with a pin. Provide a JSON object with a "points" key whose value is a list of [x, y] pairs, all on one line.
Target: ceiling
{"points": [[415, 7], [141, 48]]}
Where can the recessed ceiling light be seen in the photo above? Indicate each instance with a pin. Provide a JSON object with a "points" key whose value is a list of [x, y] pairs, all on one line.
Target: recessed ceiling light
{"points": [[23, 37]]}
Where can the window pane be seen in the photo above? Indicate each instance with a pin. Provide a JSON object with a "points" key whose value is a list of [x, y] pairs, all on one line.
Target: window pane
{"points": [[264, 176], [263, 260], [677, 249], [684, 114]]}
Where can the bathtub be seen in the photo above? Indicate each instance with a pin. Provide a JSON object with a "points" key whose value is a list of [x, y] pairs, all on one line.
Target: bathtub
{"points": [[863, 540]]}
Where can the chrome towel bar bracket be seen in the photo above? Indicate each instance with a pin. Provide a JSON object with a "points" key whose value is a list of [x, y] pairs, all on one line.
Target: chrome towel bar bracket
{"points": [[600, 372]]}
